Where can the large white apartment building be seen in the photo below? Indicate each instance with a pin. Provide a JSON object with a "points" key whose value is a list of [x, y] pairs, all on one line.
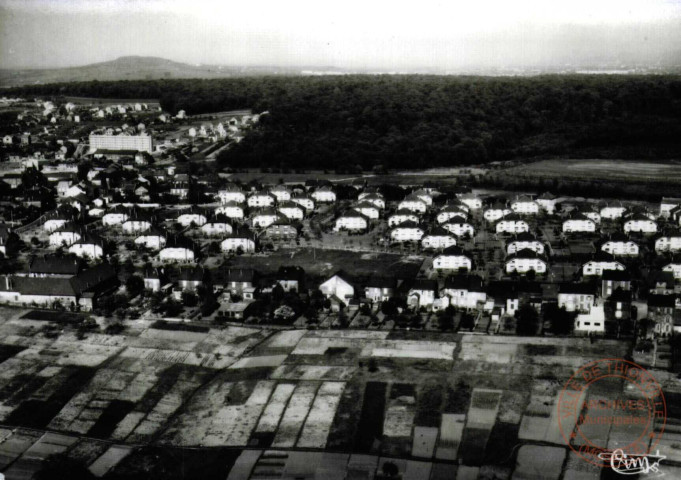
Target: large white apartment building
{"points": [[140, 143]]}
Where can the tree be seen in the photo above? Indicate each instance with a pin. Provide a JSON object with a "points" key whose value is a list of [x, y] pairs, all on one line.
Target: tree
{"points": [[527, 320], [134, 285], [467, 321], [61, 466], [445, 321], [190, 299], [561, 322]]}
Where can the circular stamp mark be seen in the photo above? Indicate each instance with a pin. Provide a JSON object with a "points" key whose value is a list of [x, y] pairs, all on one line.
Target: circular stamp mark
{"points": [[611, 404]]}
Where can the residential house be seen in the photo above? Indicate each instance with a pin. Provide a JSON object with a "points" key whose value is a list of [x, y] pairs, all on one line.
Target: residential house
{"points": [[613, 211], [547, 201], [413, 204], [177, 249], [217, 226], [459, 226], [661, 313], [191, 278], [282, 229], [422, 293], [524, 205], [66, 235], [10, 243], [261, 200], [351, 221], [601, 262], [512, 223], [522, 241], [640, 223], [437, 239], [496, 211], [667, 205], [240, 240], [526, 260], [231, 193], [89, 246], [401, 216], [154, 279], [304, 201], [153, 239], [192, 216], [264, 218], [380, 289], [231, 210], [451, 211], [620, 245], [236, 280], [338, 286], [674, 268], [291, 278], [473, 201], [576, 297], [465, 291], [579, 223], [407, 231], [453, 259], [368, 209], [613, 280], [291, 210], [324, 194], [281, 192], [670, 241]]}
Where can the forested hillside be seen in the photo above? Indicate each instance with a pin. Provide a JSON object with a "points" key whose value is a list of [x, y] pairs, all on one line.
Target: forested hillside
{"points": [[351, 122]]}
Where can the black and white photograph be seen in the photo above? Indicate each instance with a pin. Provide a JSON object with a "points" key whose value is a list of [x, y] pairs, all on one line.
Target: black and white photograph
{"points": [[340, 240]]}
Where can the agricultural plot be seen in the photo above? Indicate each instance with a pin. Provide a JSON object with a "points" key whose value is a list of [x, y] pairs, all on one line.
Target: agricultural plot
{"points": [[318, 423]]}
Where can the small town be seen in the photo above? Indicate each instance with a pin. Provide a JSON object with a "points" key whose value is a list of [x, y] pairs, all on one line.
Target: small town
{"points": [[423, 324]]}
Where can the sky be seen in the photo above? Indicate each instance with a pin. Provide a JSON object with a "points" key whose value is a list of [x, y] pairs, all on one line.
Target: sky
{"points": [[355, 34]]}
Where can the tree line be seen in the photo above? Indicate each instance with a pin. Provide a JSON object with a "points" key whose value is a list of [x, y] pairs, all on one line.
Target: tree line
{"points": [[366, 122]]}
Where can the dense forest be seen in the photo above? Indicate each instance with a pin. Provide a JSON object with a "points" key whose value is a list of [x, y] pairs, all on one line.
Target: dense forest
{"points": [[365, 122]]}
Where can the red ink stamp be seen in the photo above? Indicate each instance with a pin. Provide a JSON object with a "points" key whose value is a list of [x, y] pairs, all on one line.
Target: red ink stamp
{"points": [[611, 405]]}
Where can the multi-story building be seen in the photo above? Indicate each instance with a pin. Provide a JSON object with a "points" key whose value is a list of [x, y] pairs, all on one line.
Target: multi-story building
{"points": [[138, 143]]}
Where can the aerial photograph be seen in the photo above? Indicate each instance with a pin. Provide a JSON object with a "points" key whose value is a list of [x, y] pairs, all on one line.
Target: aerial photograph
{"points": [[325, 240]]}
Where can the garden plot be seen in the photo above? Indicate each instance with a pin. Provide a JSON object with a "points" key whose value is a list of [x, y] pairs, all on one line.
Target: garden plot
{"points": [[495, 353], [138, 385], [70, 412], [79, 354], [262, 361], [401, 411], [483, 409], [313, 372], [319, 419], [168, 356], [348, 334], [424, 442], [275, 408], [576, 468], [540, 422], [49, 444], [286, 339], [411, 349], [16, 445], [294, 415], [164, 408], [109, 459], [319, 346], [536, 462], [670, 446], [232, 425], [451, 432]]}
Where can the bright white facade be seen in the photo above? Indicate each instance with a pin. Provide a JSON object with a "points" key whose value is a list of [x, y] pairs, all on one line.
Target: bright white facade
{"points": [[136, 226], [54, 224], [64, 238], [493, 214], [406, 233], [187, 219], [259, 200], [668, 244], [231, 210], [151, 241], [352, 223], [584, 224], [640, 225], [512, 225], [87, 250], [227, 196], [612, 212], [675, 268], [306, 202], [291, 210], [525, 206], [413, 205], [176, 255], [141, 143], [233, 244], [622, 248], [338, 287], [515, 246], [597, 267], [452, 262], [459, 227], [216, 228], [401, 217], [324, 195], [438, 241], [264, 220], [114, 218]]}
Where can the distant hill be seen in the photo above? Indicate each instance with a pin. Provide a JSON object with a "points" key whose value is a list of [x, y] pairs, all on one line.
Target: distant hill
{"points": [[132, 68]]}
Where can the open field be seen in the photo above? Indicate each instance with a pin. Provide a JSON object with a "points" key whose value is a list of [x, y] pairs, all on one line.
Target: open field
{"points": [[431, 397], [151, 102], [325, 262], [606, 170]]}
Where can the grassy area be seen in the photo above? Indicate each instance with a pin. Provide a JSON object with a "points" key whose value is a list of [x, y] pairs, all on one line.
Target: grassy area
{"points": [[8, 351], [175, 463], [325, 262], [342, 432], [625, 170], [429, 405], [370, 427], [54, 316], [106, 423], [179, 327]]}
